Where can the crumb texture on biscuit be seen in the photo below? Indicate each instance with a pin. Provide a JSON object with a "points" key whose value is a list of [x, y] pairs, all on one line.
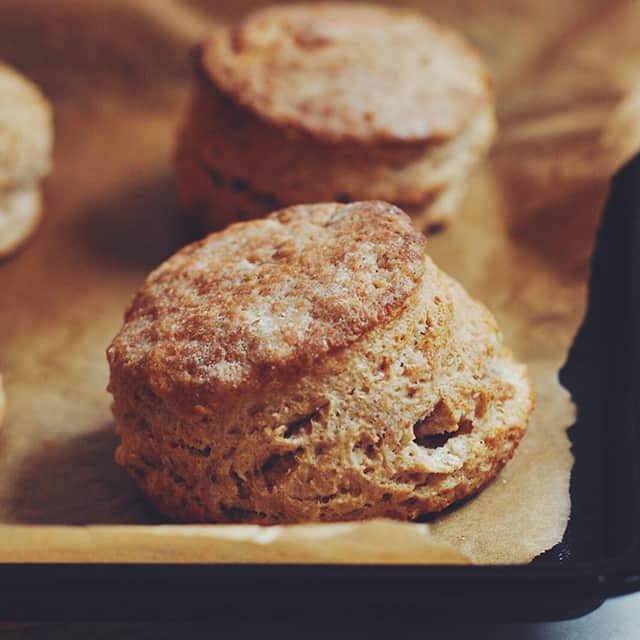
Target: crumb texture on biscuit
{"points": [[349, 71], [259, 298], [367, 382]]}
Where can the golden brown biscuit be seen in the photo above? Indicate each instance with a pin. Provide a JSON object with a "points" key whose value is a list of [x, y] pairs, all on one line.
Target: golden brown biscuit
{"points": [[307, 103], [313, 365], [25, 157]]}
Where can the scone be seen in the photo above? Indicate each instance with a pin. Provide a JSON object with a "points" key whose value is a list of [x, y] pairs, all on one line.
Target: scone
{"points": [[314, 365], [26, 135], [332, 102]]}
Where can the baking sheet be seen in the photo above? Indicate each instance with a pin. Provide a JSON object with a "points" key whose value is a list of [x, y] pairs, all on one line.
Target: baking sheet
{"points": [[568, 90]]}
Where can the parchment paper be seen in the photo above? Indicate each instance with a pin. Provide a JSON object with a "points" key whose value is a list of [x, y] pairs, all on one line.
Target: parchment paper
{"points": [[567, 79]]}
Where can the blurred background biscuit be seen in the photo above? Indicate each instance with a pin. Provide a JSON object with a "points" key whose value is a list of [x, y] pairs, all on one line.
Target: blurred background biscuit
{"points": [[313, 365], [332, 102], [26, 135]]}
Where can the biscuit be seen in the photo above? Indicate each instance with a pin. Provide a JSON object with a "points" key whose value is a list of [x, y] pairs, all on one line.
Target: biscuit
{"points": [[26, 135], [19, 217], [305, 103], [314, 365]]}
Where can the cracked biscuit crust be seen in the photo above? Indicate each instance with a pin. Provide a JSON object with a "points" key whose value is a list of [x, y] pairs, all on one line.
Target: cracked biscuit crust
{"points": [[313, 366], [264, 297]]}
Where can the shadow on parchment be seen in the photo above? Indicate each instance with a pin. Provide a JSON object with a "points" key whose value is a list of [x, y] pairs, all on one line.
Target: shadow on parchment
{"points": [[561, 230], [137, 226], [76, 482]]}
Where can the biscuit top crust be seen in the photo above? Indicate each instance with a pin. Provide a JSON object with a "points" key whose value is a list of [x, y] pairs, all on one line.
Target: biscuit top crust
{"points": [[349, 72], [268, 297]]}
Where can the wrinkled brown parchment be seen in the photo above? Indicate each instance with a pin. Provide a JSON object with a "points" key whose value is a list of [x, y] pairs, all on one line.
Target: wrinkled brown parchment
{"points": [[567, 81]]}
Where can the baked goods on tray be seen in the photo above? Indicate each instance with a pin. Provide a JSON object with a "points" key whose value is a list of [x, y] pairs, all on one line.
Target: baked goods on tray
{"points": [[313, 365], [25, 157], [332, 102]]}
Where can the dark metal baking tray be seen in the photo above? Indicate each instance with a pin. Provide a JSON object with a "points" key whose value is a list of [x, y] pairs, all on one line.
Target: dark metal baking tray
{"points": [[598, 558]]}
